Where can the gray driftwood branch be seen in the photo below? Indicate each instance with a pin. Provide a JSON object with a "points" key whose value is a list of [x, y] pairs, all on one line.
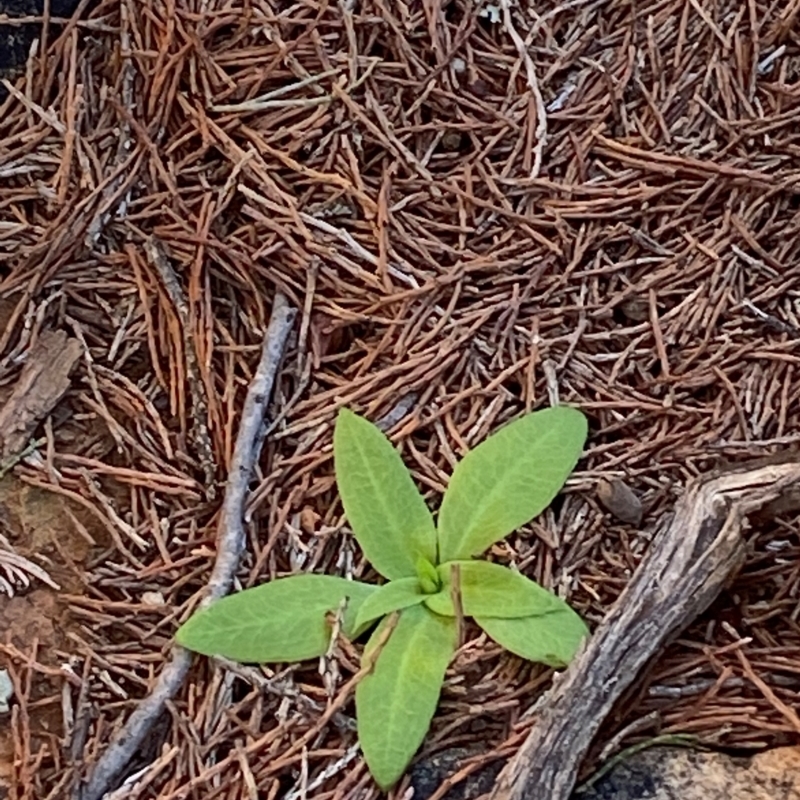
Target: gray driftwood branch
{"points": [[230, 542], [690, 560]]}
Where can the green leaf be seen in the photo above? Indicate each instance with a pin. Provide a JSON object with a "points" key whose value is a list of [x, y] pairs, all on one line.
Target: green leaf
{"points": [[428, 576], [509, 479], [492, 590], [550, 639], [397, 700], [283, 620], [392, 596], [386, 511]]}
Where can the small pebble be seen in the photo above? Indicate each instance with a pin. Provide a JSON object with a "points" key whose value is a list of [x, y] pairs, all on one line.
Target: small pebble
{"points": [[636, 309], [619, 499], [451, 141], [152, 598]]}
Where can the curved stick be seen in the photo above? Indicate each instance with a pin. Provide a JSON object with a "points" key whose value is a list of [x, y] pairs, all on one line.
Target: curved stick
{"points": [[230, 541], [689, 562]]}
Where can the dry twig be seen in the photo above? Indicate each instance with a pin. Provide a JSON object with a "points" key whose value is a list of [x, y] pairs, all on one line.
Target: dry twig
{"points": [[199, 402], [533, 84], [230, 543]]}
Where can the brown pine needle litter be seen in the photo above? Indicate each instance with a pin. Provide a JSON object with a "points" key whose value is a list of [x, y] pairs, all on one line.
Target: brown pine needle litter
{"points": [[477, 209]]}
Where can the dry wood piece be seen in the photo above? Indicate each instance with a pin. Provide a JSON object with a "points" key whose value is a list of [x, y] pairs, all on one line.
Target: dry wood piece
{"points": [[43, 382], [690, 561], [230, 542]]}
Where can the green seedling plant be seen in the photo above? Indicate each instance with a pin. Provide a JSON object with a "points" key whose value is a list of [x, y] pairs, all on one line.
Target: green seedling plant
{"points": [[433, 579]]}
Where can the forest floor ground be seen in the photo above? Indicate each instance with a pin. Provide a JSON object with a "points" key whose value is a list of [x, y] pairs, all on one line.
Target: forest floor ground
{"points": [[477, 209]]}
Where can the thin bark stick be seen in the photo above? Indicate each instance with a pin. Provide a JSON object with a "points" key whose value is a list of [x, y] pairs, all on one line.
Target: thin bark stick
{"points": [[691, 559], [533, 85], [230, 541]]}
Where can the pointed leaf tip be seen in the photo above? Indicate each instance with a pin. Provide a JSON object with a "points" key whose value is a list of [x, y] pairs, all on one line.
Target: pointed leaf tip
{"points": [[384, 508], [551, 639], [509, 479], [283, 620], [397, 700]]}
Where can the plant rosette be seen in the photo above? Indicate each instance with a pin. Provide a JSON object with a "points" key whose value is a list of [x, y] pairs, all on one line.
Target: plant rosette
{"points": [[432, 578]]}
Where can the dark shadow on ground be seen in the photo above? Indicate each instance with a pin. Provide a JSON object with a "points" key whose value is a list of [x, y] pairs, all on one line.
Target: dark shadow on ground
{"points": [[16, 39]]}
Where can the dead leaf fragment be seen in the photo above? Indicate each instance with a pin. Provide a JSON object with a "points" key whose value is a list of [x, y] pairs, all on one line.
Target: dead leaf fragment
{"points": [[42, 383], [309, 519]]}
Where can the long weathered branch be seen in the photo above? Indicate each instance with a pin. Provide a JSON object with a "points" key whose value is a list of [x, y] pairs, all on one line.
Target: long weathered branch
{"points": [[230, 542], [690, 561]]}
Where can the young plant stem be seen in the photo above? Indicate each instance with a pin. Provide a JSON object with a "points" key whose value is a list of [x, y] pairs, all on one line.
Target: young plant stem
{"points": [[458, 605]]}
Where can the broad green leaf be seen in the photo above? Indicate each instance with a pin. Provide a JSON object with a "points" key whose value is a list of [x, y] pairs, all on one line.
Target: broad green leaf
{"points": [[550, 639], [492, 590], [397, 700], [508, 479], [429, 578], [383, 506], [392, 596], [283, 620]]}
